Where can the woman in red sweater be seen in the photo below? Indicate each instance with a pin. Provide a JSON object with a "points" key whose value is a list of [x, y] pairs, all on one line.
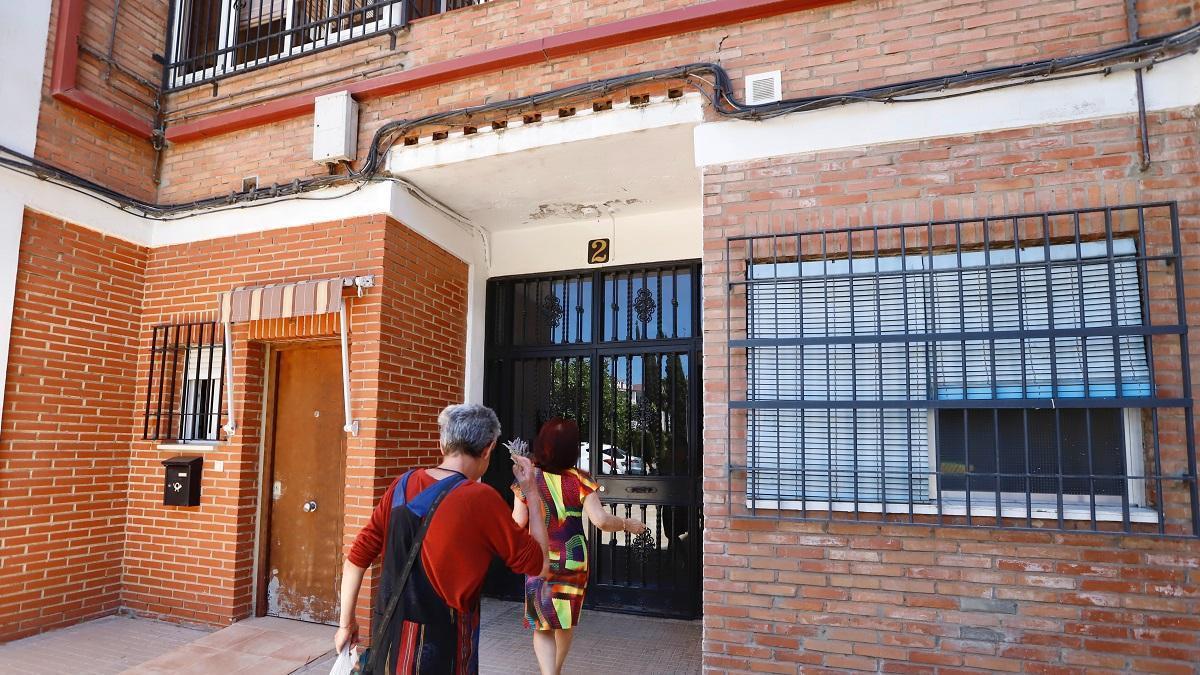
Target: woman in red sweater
{"points": [[436, 629]]}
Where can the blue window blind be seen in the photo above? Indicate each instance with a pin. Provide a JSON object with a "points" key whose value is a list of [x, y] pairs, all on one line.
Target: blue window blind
{"points": [[886, 330]]}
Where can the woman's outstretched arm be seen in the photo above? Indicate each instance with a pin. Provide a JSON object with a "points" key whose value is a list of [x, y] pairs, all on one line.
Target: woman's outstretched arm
{"points": [[607, 521]]}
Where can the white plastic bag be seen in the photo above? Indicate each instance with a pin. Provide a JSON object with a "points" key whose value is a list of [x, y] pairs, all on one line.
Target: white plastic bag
{"points": [[346, 660]]}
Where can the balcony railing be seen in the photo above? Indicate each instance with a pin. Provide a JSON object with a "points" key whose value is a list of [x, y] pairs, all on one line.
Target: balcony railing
{"points": [[210, 39]]}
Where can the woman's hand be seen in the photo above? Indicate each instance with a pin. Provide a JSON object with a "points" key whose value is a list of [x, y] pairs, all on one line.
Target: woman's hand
{"points": [[525, 473], [346, 635], [634, 526]]}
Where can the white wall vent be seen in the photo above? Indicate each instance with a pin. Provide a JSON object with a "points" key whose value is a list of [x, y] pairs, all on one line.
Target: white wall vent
{"points": [[335, 128], [764, 88]]}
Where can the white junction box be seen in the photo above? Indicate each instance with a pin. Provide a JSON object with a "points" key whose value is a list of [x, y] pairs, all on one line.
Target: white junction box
{"points": [[335, 128]]}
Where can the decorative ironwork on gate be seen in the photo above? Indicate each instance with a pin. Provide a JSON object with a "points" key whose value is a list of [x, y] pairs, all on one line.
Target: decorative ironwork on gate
{"points": [[617, 350], [1020, 371]]}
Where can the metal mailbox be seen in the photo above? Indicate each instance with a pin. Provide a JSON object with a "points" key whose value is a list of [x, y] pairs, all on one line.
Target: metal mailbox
{"points": [[181, 484]]}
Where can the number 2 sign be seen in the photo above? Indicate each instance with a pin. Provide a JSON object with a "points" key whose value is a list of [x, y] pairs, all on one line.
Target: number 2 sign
{"points": [[598, 251]]}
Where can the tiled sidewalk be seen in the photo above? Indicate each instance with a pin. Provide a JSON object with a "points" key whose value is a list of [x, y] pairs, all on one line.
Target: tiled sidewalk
{"points": [[260, 646], [605, 643], [102, 647]]}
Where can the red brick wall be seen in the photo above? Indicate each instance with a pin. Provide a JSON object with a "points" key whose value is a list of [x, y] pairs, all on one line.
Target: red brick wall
{"points": [[419, 364], [194, 564], [834, 48], [407, 353], [422, 365], [68, 408], [84, 530], [899, 599], [846, 597], [141, 33], [830, 49], [78, 142]]}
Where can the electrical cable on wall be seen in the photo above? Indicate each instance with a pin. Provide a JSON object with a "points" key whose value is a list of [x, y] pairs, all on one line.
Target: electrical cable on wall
{"points": [[458, 218], [1138, 54]]}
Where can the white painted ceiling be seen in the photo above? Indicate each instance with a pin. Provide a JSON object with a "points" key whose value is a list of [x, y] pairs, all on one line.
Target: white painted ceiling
{"points": [[638, 172]]}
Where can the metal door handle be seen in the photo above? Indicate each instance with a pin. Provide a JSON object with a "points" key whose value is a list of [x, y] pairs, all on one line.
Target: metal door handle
{"points": [[310, 506]]}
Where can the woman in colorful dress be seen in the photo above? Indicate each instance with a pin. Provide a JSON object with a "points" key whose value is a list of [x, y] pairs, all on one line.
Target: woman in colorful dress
{"points": [[552, 604]]}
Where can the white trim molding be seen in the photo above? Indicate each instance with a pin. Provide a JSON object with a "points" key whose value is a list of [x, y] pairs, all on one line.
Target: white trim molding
{"points": [[582, 125], [24, 27], [982, 508], [1169, 85]]}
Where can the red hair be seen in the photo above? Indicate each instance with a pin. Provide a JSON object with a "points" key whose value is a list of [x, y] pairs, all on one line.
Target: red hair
{"points": [[556, 447]]}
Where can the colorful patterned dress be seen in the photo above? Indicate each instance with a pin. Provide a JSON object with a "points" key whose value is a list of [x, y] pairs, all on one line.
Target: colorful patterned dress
{"points": [[554, 603]]}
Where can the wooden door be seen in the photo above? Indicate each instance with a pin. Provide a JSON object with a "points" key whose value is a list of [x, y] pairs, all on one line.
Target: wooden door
{"points": [[304, 555]]}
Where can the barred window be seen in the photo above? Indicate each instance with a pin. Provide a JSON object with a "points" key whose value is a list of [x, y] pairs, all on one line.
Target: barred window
{"points": [[211, 38], [998, 367], [184, 385]]}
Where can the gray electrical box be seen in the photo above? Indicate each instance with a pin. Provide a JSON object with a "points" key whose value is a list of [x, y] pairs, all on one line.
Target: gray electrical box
{"points": [[335, 128]]}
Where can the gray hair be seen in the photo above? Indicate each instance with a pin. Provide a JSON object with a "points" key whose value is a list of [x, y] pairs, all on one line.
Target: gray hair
{"points": [[468, 428]]}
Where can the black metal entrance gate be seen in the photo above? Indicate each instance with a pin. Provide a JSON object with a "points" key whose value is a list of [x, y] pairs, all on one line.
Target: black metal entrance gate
{"points": [[617, 350]]}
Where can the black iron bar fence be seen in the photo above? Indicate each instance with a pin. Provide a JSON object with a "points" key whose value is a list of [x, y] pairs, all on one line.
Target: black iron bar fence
{"points": [[210, 39], [617, 351], [1019, 371], [184, 384]]}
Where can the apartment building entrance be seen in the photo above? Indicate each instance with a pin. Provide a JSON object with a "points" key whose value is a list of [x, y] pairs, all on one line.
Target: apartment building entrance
{"points": [[618, 351]]}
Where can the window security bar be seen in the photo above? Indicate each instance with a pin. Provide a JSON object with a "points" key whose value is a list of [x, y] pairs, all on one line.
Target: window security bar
{"points": [[1021, 371], [184, 391], [211, 39], [230, 426]]}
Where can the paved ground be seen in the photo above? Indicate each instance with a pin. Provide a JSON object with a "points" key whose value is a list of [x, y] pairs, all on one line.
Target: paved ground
{"points": [[261, 646], [605, 643], [102, 647]]}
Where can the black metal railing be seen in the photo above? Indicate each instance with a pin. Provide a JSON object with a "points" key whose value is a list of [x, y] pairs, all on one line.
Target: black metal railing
{"points": [[184, 386], [1027, 371], [210, 39]]}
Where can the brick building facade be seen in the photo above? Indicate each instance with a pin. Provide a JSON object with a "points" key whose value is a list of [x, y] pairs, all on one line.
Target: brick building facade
{"points": [[494, 142]]}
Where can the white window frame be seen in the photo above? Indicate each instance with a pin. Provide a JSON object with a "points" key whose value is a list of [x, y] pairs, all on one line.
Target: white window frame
{"points": [[177, 45], [1135, 488], [200, 361], [390, 15]]}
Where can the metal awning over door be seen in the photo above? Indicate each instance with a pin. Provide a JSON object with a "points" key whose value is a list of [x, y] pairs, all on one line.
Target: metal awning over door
{"points": [[285, 301]]}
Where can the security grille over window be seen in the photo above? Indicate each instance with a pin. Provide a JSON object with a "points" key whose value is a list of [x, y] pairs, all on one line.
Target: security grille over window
{"points": [[1020, 371], [213, 38], [183, 392]]}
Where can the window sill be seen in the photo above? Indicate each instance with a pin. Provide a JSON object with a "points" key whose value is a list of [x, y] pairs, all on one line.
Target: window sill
{"points": [[957, 507], [198, 446]]}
